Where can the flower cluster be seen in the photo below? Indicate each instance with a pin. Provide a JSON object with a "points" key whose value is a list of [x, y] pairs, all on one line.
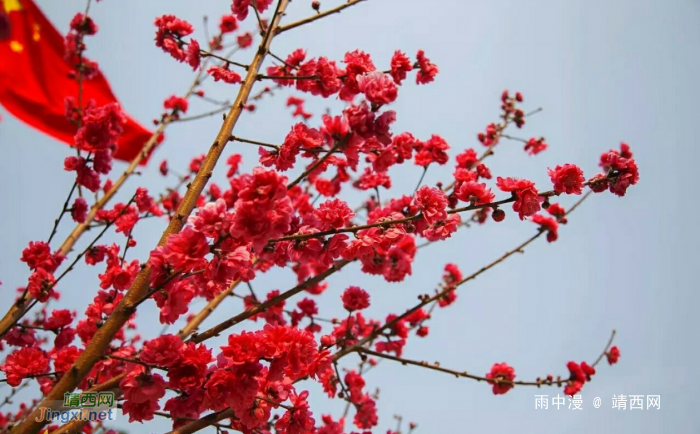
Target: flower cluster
{"points": [[579, 374], [321, 76], [169, 34], [80, 26]]}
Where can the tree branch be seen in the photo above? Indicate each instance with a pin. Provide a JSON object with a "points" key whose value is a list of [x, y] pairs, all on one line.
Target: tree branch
{"points": [[318, 16]]}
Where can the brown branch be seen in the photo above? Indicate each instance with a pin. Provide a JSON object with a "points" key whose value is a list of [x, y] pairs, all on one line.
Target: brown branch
{"points": [[203, 115], [198, 319], [48, 374], [254, 142], [202, 423], [133, 361], [605, 350], [104, 335], [464, 374], [320, 15], [205, 54], [278, 147], [262, 307], [298, 237], [288, 77], [316, 164]]}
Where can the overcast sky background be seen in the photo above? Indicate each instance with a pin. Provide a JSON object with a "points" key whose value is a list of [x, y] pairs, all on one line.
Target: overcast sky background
{"points": [[603, 71]]}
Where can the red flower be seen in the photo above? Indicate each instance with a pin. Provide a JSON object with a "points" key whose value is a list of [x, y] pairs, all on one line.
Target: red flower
{"points": [[79, 210], [188, 372], [434, 150], [427, 69], [139, 412], [38, 255], [139, 386], [452, 274], [334, 213], [23, 363], [20, 337], [245, 40], [557, 211], [535, 146], [467, 159], [82, 24], [257, 225], [64, 358], [59, 318], [491, 136], [432, 202], [242, 348], [170, 27], [102, 127], [567, 179], [358, 63], [474, 192], [40, 284], [400, 65], [299, 137], [176, 103], [443, 229], [174, 300], [222, 73], [623, 171], [327, 83], [162, 351], [185, 250], [366, 416], [613, 355], [378, 87], [263, 188], [355, 298], [240, 7], [234, 160], [370, 180], [192, 55], [228, 24], [573, 388], [211, 219], [527, 197], [218, 389], [549, 224], [500, 372], [327, 340], [482, 171], [588, 370], [297, 420], [576, 373]]}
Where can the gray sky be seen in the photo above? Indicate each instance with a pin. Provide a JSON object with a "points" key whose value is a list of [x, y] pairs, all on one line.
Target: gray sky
{"points": [[604, 71]]}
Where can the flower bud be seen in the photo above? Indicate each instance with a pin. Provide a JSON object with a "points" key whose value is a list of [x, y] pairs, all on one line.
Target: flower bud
{"points": [[498, 215]]}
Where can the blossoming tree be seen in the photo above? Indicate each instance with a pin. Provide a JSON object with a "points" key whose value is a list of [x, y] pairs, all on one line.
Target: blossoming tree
{"points": [[288, 212]]}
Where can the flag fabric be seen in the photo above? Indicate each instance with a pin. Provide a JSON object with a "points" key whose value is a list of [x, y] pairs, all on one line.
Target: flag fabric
{"points": [[35, 78]]}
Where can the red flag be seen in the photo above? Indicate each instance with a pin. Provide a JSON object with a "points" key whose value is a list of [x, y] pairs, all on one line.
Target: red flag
{"points": [[34, 78]]}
